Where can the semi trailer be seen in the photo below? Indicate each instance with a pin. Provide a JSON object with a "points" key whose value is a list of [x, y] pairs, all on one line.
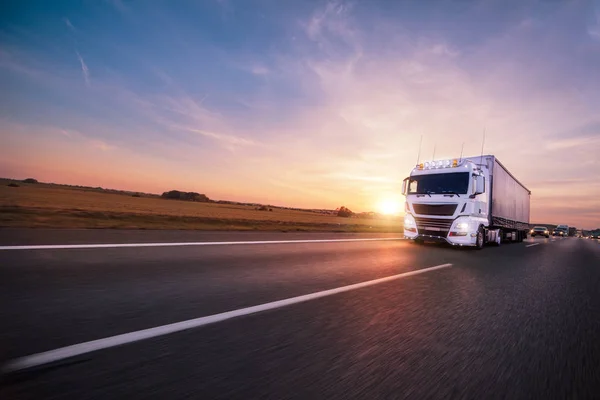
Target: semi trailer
{"points": [[468, 201]]}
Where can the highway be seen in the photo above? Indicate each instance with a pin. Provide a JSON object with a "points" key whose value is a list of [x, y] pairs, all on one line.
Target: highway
{"points": [[516, 321]]}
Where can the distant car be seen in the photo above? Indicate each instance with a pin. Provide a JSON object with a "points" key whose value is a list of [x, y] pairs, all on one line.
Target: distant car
{"points": [[561, 230], [595, 236], [540, 231]]}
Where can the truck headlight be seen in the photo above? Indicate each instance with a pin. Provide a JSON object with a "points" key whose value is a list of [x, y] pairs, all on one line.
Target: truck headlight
{"points": [[409, 221], [463, 226]]}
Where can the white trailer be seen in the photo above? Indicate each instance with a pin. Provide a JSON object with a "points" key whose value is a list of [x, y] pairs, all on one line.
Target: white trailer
{"points": [[465, 202]]}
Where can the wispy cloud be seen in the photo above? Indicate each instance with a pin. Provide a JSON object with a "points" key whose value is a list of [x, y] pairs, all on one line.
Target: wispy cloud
{"points": [[594, 24], [330, 20], [571, 142], [259, 70], [118, 5], [227, 139], [74, 135], [69, 25], [101, 145], [84, 69]]}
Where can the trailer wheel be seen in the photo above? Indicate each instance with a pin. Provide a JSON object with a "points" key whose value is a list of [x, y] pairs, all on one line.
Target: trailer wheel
{"points": [[479, 241]]}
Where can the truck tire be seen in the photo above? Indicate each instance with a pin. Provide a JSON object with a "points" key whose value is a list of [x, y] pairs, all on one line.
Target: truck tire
{"points": [[419, 242], [479, 241]]}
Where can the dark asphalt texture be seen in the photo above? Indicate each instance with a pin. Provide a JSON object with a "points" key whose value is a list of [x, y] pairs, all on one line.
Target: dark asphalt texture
{"points": [[508, 322]]}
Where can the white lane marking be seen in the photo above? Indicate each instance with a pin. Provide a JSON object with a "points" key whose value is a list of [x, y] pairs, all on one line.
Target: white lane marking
{"points": [[118, 340], [120, 245], [535, 244]]}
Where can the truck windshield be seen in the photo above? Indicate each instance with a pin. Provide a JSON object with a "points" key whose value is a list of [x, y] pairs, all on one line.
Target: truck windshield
{"points": [[454, 182]]}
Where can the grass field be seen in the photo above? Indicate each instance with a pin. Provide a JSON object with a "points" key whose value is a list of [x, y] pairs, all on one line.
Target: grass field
{"points": [[54, 206]]}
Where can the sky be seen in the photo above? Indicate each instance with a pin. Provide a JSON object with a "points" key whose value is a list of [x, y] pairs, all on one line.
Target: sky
{"points": [[302, 103]]}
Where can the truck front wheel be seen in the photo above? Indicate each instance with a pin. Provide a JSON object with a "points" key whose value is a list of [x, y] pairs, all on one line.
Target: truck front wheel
{"points": [[479, 240]]}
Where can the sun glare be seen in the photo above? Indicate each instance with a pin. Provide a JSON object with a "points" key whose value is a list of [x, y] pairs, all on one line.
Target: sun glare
{"points": [[389, 207]]}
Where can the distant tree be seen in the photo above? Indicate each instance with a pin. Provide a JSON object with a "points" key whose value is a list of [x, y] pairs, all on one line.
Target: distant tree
{"points": [[136, 195], [187, 196], [344, 212], [13, 185], [30, 180]]}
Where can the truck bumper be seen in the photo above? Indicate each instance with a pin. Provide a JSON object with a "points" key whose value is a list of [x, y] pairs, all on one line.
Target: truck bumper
{"points": [[468, 240]]}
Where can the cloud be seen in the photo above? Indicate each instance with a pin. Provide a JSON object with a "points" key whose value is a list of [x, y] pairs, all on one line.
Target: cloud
{"points": [[56, 135], [84, 69], [118, 5], [330, 20], [594, 25], [259, 70], [227, 139], [571, 142], [444, 50], [75, 135], [69, 24], [180, 112], [101, 145]]}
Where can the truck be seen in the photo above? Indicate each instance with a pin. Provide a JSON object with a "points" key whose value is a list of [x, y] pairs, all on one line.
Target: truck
{"points": [[471, 201]]}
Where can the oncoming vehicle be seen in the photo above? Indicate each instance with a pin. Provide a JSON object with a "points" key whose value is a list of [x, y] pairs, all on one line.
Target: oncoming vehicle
{"points": [[465, 202], [540, 231], [561, 230]]}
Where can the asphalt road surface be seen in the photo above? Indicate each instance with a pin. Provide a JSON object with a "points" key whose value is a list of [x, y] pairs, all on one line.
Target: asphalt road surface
{"points": [[518, 321]]}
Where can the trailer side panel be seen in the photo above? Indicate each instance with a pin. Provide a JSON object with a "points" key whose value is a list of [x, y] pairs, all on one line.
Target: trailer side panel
{"points": [[510, 200]]}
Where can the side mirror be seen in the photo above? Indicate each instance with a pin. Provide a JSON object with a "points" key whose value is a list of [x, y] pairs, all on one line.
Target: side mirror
{"points": [[405, 186], [479, 184]]}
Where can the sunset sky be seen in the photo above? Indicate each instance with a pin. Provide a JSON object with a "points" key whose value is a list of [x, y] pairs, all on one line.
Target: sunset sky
{"points": [[302, 103]]}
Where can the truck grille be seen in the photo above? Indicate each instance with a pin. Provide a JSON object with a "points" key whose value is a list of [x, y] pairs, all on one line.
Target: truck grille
{"points": [[434, 226], [435, 209]]}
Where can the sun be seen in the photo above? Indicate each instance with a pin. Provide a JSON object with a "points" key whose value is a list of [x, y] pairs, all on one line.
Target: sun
{"points": [[388, 207]]}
